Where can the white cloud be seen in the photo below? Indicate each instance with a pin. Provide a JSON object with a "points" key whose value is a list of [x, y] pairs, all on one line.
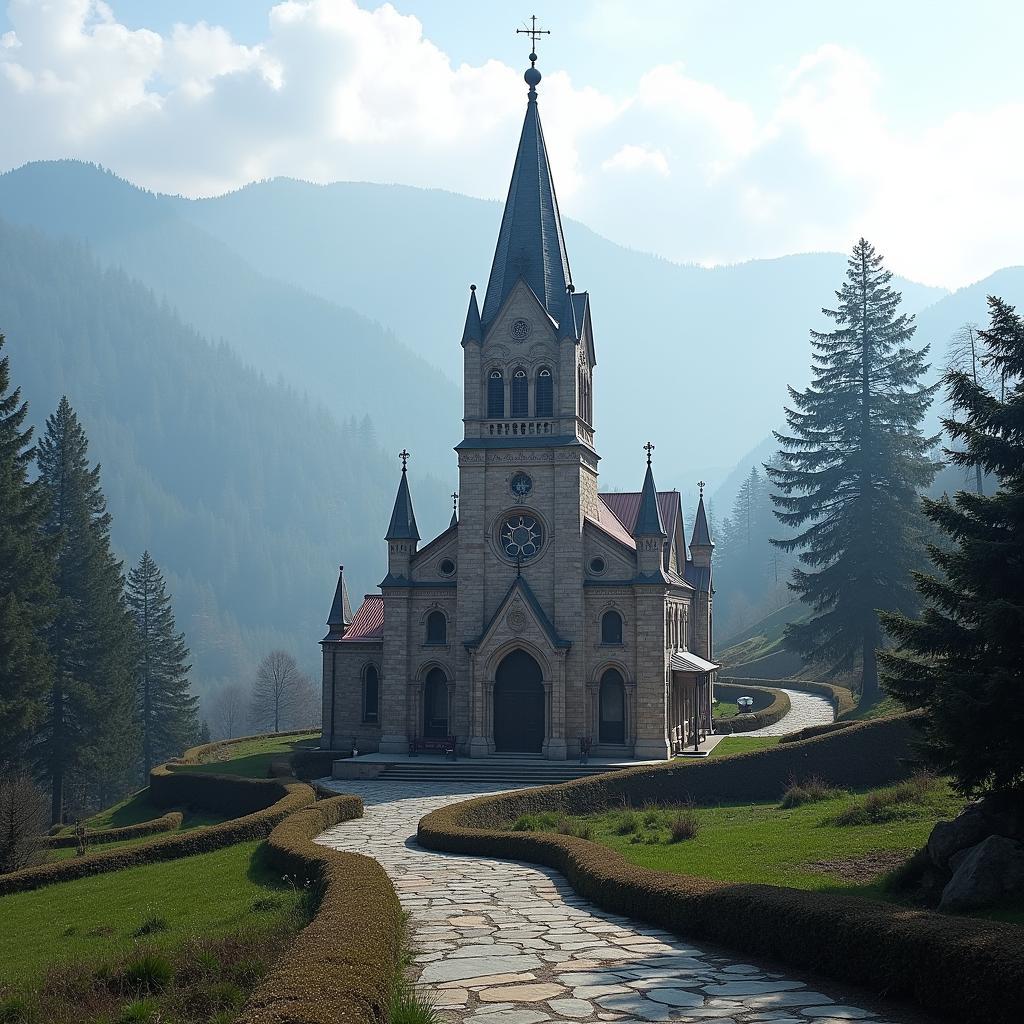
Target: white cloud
{"points": [[678, 165]]}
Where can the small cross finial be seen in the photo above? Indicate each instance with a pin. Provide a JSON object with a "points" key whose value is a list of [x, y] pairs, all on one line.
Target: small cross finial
{"points": [[648, 448], [404, 456], [455, 501], [534, 33], [701, 485]]}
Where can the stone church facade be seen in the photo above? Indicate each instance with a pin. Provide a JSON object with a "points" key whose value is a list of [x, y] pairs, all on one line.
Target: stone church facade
{"points": [[548, 613]]}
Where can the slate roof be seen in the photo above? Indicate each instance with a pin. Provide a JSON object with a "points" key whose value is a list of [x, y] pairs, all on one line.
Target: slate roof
{"points": [[648, 517], [530, 242], [473, 331], [699, 577], [403, 518], [701, 534], [368, 623], [341, 607]]}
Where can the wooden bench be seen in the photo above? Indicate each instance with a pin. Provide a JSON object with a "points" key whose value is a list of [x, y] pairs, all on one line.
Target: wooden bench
{"points": [[432, 744]]}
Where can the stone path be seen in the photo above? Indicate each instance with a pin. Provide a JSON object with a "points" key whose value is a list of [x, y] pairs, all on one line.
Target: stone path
{"points": [[499, 942], [805, 709]]}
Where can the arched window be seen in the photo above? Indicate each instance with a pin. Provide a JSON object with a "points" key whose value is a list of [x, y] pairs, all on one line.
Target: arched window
{"points": [[437, 628], [520, 394], [545, 393], [611, 628], [495, 394], [371, 694]]}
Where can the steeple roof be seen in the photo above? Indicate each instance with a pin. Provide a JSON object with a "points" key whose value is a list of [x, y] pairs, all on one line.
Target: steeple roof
{"points": [[473, 331], [648, 520], [341, 608], [403, 519], [530, 243], [701, 534]]}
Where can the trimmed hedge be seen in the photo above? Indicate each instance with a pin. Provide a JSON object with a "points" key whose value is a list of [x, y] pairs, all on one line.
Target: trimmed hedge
{"points": [[775, 706], [169, 822], [258, 805], [969, 969], [810, 731], [204, 753], [343, 965]]}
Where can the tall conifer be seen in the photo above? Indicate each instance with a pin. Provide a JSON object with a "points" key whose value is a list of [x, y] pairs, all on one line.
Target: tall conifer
{"points": [[850, 470], [165, 705], [26, 580], [962, 660], [90, 728]]}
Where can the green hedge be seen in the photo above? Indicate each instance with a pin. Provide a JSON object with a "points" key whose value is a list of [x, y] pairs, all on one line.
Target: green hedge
{"points": [[169, 822], [811, 731], [256, 804], [205, 752], [969, 969], [342, 966], [775, 705]]}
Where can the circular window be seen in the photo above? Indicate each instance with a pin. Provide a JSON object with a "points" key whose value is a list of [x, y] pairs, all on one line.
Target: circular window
{"points": [[597, 566], [519, 329], [447, 567], [521, 485], [521, 537]]}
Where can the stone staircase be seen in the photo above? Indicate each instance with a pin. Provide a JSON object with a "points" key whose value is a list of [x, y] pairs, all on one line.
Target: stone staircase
{"points": [[508, 769]]}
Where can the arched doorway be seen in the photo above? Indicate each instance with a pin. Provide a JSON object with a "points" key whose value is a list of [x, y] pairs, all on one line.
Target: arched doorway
{"points": [[518, 704], [435, 705], [612, 706]]}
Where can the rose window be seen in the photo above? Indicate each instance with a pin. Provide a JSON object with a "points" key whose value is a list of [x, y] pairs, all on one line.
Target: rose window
{"points": [[521, 537], [519, 329]]}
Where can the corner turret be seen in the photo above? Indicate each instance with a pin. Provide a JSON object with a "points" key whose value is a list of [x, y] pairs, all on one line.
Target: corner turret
{"points": [[340, 617], [403, 535], [649, 530]]}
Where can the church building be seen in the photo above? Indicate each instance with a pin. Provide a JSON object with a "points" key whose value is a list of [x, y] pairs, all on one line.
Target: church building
{"points": [[549, 615]]}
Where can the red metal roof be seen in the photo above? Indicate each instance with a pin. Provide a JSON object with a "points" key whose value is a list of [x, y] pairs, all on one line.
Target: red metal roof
{"points": [[609, 524], [368, 623], [625, 505]]}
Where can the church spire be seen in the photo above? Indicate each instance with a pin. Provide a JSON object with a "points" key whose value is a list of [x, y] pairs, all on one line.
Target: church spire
{"points": [[530, 242], [701, 544], [403, 519], [340, 617], [648, 520], [473, 331]]}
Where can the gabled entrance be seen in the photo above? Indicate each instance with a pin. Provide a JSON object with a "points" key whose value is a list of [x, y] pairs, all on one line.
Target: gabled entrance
{"points": [[519, 704]]}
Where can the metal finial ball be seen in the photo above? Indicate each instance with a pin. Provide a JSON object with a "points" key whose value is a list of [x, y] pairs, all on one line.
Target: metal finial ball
{"points": [[472, 287], [532, 77], [533, 58]]}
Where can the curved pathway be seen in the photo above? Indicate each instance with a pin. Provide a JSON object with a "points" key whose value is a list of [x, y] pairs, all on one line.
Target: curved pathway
{"points": [[805, 709], [500, 942]]}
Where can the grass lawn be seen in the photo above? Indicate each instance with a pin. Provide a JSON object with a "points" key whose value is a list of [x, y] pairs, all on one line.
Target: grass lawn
{"points": [[886, 706], [94, 918], [724, 709], [742, 745], [802, 847], [252, 758]]}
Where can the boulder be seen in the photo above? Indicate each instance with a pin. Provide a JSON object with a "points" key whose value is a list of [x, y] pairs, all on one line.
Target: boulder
{"points": [[992, 870], [968, 829]]}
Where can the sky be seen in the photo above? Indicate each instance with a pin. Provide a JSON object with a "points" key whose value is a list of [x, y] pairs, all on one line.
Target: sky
{"points": [[706, 131]]}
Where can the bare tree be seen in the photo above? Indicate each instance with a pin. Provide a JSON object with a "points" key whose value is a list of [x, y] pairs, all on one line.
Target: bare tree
{"points": [[229, 710], [278, 683], [24, 816]]}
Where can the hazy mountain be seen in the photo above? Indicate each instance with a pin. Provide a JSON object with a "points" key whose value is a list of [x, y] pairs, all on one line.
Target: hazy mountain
{"points": [[244, 492], [256, 266]]}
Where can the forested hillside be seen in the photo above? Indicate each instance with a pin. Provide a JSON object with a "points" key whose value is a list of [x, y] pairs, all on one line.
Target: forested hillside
{"points": [[247, 493]]}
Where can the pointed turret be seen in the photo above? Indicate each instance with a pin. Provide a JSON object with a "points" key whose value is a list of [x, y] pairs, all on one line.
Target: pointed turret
{"points": [[340, 617], [403, 518], [473, 331], [530, 243], [701, 544], [649, 529]]}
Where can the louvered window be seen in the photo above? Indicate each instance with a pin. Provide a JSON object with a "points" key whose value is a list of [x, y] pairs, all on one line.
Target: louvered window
{"points": [[520, 394], [495, 394], [545, 393]]}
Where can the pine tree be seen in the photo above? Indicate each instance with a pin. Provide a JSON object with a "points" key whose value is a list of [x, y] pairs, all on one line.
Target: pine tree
{"points": [[90, 728], [26, 587], [850, 471], [165, 705], [961, 660]]}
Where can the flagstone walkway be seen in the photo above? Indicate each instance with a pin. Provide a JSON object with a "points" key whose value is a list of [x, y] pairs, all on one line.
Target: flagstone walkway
{"points": [[805, 709], [499, 942]]}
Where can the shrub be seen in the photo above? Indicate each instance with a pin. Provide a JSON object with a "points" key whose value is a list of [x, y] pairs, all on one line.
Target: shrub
{"points": [[148, 972], [15, 1010], [24, 816], [628, 821], [684, 824], [652, 818], [811, 791], [893, 803], [139, 1012]]}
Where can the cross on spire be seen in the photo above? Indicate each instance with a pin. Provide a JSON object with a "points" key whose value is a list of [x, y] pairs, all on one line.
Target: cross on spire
{"points": [[455, 501], [534, 33], [648, 448], [701, 485], [404, 456]]}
